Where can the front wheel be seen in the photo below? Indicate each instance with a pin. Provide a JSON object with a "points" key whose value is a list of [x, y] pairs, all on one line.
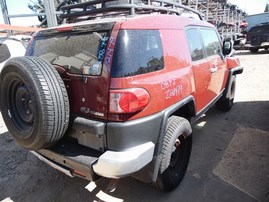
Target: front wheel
{"points": [[225, 103], [175, 153], [254, 50]]}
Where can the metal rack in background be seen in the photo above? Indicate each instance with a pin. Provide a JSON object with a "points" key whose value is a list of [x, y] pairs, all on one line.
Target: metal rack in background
{"points": [[111, 8], [226, 17]]}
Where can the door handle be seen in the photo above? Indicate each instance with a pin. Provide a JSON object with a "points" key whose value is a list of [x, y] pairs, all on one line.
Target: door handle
{"points": [[213, 69]]}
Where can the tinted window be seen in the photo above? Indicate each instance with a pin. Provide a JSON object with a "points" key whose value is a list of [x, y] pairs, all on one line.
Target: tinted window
{"points": [[195, 44], [73, 51], [211, 42], [137, 52], [4, 53]]}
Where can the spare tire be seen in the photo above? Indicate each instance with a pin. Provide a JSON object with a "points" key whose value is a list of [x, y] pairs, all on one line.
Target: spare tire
{"points": [[34, 102]]}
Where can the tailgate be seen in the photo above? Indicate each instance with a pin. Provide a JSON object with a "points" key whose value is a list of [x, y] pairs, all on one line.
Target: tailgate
{"points": [[78, 52]]}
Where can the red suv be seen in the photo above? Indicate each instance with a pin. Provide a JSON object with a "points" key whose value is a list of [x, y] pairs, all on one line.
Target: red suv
{"points": [[115, 96]]}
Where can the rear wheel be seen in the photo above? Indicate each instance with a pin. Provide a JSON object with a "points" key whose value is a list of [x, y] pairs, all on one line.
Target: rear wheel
{"points": [[175, 153], [34, 102]]}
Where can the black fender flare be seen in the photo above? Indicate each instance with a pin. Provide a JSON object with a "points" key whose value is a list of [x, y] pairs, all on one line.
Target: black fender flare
{"points": [[233, 72], [166, 114]]}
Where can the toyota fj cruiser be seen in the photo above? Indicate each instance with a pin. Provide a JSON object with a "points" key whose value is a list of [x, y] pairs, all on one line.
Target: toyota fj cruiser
{"points": [[115, 95]]}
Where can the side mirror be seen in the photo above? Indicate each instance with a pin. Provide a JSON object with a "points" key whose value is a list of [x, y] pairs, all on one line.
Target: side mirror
{"points": [[227, 47]]}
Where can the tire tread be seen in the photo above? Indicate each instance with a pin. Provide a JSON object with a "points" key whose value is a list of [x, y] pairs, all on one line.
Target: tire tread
{"points": [[52, 94]]}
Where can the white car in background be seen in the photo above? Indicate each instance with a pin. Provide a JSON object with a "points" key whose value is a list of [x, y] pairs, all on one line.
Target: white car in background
{"points": [[12, 46]]}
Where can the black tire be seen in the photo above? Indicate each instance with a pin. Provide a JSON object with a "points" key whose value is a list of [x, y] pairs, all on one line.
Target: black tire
{"points": [[254, 50], [34, 102], [266, 48], [176, 153], [226, 102]]}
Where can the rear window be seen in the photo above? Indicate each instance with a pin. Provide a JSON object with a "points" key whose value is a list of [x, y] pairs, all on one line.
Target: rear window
{"points": [[76, 52], [137, 52]]}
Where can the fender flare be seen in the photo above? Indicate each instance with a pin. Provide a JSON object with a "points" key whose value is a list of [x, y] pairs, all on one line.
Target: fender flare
{"points": [[166, 114], [150, 172], [231, 78]]}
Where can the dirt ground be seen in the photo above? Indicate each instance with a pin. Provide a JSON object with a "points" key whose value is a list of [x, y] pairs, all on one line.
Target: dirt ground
{"points": [[229, 161]]}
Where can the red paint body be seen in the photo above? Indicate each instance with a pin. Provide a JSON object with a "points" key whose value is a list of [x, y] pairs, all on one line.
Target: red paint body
{"points": [[180, 77]]}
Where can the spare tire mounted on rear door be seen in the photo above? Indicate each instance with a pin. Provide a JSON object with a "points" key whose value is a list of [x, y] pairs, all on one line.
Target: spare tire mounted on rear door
{"points": [[34, 102]]}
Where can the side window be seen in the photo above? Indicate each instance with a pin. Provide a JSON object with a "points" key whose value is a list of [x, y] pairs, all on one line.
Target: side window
{"points": [[4, 53], [137, 52], [211, 42], [195, 44]]}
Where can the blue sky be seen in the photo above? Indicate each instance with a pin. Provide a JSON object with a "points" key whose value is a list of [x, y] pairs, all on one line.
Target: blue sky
{"points": [[20, 7], [251, 6]]}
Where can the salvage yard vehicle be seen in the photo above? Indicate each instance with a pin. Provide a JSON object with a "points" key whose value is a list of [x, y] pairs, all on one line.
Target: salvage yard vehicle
{"points": [[11, 47], [116, 95], [258, 38]]}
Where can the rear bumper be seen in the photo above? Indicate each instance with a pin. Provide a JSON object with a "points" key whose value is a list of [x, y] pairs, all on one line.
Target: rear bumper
{"points": [[71, 159], [112, 150], [89, 164], [261, 45], [53, 164], [113, 164]]}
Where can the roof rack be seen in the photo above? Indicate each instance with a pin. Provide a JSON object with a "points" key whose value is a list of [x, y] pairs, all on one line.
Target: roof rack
{"points": [[111, 8]]}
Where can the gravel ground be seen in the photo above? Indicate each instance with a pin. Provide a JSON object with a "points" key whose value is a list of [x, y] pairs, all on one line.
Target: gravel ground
{"points": [[217, 172]]}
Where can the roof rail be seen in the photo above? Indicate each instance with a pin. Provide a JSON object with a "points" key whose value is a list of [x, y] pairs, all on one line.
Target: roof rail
{"points": [[106, 8]]}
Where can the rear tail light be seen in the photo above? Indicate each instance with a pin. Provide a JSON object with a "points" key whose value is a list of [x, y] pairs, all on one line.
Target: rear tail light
{"points": [[128, 100]]}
